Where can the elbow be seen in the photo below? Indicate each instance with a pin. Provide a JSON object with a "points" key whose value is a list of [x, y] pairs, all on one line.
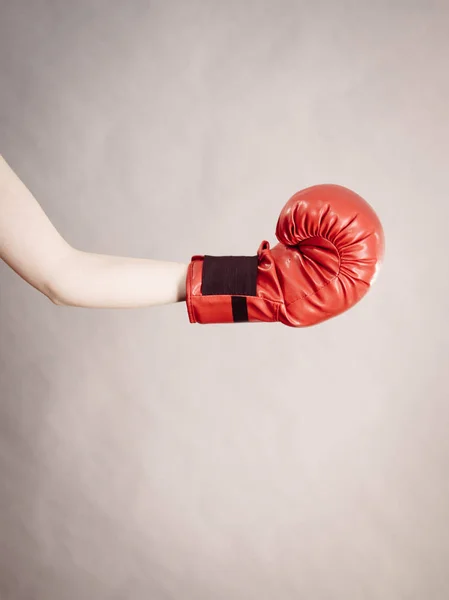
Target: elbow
{"points": [[54, 292], [55, 297], [59, 285], [56, 300]]}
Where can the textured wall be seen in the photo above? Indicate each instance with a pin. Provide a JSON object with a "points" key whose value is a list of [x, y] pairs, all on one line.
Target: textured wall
{"points": [[145, 458]]}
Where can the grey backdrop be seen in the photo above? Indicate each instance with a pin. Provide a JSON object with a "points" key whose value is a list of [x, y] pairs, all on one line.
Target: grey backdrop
{"points": [[142, 457]]}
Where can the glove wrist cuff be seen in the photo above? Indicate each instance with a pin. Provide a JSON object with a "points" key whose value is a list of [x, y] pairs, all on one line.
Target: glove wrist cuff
{"points": [[229, 276], [224, 289]]}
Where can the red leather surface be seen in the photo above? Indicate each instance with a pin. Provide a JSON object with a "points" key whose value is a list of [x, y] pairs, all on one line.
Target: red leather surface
{"points": [[331, 245]]}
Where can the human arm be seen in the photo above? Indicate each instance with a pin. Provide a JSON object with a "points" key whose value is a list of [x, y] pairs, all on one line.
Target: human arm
{"points": [[35, 250]]}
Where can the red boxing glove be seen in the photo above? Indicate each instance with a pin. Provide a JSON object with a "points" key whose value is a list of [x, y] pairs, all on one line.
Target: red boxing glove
{"points": [[331, 245]]}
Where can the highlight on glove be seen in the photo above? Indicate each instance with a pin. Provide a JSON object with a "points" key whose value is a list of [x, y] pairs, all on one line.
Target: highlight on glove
{"points": [[331, 245]]}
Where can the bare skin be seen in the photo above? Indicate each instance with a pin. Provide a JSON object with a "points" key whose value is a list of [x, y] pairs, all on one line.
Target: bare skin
{"points": [[35, 250]]}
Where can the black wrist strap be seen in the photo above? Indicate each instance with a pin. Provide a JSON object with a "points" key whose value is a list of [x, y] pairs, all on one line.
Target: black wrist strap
{"points": [[234, 276]]}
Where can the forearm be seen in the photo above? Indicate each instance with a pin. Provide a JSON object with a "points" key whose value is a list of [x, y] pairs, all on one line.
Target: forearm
{"points": [[100, 281]]}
